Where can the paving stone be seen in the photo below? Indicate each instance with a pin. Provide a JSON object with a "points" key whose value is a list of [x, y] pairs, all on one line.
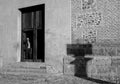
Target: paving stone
{"points": [[50, 79]]}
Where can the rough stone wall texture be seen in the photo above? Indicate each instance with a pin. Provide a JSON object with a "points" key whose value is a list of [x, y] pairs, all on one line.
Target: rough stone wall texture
{"points": [[98, 22], [104, 68], [105, 63], [75, 66], [95, 20], [106, 49]]}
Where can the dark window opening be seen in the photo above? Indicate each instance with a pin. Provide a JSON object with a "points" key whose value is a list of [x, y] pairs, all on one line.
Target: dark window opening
{"points": [[32, 39]]}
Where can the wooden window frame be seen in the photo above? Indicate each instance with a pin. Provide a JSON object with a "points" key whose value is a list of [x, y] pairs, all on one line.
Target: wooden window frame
{"points": [[35, 28]]}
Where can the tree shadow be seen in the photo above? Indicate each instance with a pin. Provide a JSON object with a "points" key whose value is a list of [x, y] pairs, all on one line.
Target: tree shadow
{"points": [[79, 51]]}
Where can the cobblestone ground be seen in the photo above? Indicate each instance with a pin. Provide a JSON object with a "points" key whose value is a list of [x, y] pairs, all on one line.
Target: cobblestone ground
{"points": [[42, 79]]}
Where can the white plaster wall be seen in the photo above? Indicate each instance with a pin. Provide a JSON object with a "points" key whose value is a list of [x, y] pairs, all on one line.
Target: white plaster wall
{"points": [[8, 31], [57, 30]]}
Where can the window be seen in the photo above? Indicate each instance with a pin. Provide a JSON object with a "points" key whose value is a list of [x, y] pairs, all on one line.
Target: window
{"points": [[32, 39]]}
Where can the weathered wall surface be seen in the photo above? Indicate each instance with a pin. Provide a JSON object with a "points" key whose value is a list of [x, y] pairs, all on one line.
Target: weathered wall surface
{"points": [[104, 68], [57, 30], [98, 22], [95, 20]]}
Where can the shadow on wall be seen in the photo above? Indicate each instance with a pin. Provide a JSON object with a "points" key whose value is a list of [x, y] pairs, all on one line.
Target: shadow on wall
{"points": [[79, 51]]}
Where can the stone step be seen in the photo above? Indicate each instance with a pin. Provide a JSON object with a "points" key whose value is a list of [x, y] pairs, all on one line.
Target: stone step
{"points": [[24, 68], [23, 72], [26, 65]]}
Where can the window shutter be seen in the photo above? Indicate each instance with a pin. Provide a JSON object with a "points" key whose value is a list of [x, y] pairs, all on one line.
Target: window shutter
{"points": [[28, 20], [38, 19]]}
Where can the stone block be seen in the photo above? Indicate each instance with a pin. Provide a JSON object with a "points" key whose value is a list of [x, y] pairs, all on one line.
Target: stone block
{"points": [[98, 51], [98, 66], [68, 59], [110, 51], [113, 70], [106, 49], [102, 73], [51, 69], [91, 70], [107, 78], [118, 70], [115, 76], [103, 70], [101, 60], [118, 51], [115, 61], [69, 69]]}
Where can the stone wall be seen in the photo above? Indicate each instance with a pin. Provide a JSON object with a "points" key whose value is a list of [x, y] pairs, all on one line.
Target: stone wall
{"points": [[106, 49], [104, 68], [105, 62], [95, 20], [102, 64]]}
